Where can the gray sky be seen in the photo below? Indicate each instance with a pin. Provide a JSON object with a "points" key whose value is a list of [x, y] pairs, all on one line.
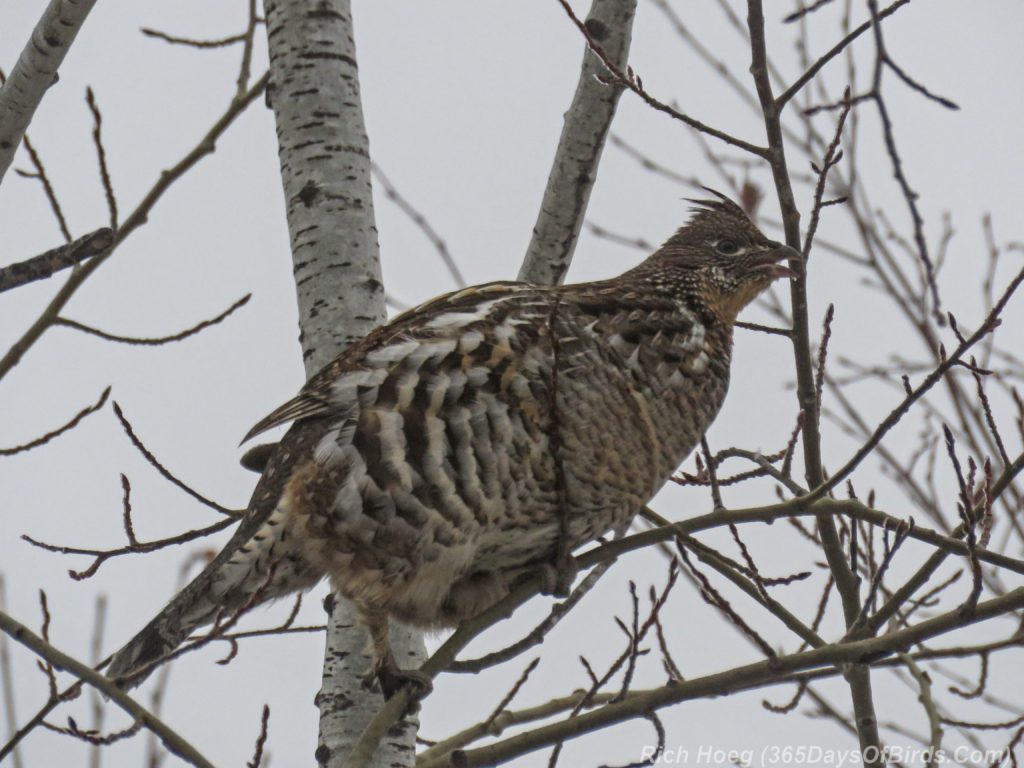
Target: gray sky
{"points": [[463, 105]]}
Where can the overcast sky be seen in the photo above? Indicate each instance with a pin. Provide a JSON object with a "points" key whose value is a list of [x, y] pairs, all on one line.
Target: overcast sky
{"points": [[464, 102]]}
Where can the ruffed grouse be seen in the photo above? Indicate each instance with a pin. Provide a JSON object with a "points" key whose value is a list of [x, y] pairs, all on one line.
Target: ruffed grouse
{"points": [[429, 464]]}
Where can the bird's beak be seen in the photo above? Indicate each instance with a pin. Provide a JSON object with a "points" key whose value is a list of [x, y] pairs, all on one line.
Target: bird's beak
{"points": [[771, 261]]}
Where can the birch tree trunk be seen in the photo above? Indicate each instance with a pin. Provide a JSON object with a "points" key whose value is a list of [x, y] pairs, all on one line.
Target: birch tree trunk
{"points": [[574, 170], [36, 71], [325, 170]]}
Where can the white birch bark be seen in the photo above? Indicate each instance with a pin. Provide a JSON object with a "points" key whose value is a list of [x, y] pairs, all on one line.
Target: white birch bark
{"points": [[610, 24], [36, 71], [325, 170]]}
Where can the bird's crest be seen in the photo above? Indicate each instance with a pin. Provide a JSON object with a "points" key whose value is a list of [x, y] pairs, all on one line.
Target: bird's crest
{"points": [[721, 206], [711, 216]]}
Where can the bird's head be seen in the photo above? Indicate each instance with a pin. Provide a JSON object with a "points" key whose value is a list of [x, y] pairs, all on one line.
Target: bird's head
{"points": [[720, 259]]}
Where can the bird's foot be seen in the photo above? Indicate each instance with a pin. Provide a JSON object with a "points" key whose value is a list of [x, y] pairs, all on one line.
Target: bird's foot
{"points": [[393, 678], [419, 684], [557, 578]]}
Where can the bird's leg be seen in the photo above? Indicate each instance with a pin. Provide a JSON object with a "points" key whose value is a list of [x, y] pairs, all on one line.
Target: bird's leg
{"points": [[556, 578], [384, 668], [566, 571], [393, 678]]}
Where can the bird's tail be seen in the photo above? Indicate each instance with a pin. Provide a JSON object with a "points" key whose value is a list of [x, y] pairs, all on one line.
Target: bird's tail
{"points": [[190, 609], [256, 566]]}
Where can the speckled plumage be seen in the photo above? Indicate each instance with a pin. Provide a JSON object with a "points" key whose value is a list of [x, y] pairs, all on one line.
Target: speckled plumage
{"points": [[427, 465]]}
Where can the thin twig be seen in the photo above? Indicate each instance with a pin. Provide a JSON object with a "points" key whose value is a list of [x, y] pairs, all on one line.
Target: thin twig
{"points": [[507, 699], [101, 156], [140, 547], [536, 636], [632, 81], [421, 222], [92, 736], [261, 740], [67, 427], [806, 77], [166, 472], [979, 689], [158, 340], [245, 67], [716, 494], [48, 190], [191, 42], [801, 12]]}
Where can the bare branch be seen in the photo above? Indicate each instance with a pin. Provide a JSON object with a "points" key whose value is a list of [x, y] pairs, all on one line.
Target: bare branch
{"points": [[159, 340], [630, 80], [172, 740], [770, 671], [126, 425], [420, 221], [93, 736], [510, 718], [139, 547], [987, 326], [135, 219], [245, 67], [261, 740], [799, 14], [63, 256], [536, 636], [838, 48], [74, 422], [101, 156], [44, 179], [223, 42]]}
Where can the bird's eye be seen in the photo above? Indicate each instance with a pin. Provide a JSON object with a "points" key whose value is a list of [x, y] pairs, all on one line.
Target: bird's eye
{"points": [[726, 247]]}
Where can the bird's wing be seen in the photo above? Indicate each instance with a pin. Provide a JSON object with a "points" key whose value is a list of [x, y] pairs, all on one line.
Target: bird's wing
{"points": [[438, 318]]}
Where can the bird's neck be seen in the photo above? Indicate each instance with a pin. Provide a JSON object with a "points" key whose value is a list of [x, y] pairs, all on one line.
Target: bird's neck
{"points": [[656, 276]]}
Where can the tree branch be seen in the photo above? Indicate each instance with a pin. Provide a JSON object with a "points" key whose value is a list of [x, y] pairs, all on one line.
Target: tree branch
{"points": [[632, 81], [206, 145], [444, 657], [63, 256], [771, 671], [845, 580], [838, 48], [172, 740]]}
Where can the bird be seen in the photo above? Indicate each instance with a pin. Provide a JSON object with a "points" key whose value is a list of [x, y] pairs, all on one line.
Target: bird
{"points": [[479, 439]]}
